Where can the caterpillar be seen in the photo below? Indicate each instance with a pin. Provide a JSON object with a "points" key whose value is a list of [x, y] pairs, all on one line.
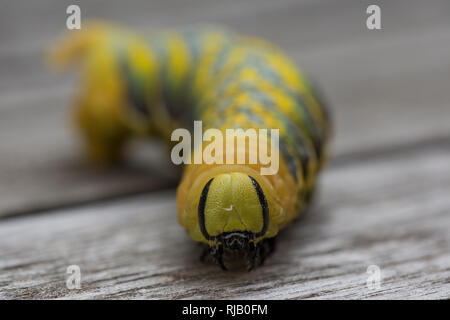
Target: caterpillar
{"points": [[135, 84]]}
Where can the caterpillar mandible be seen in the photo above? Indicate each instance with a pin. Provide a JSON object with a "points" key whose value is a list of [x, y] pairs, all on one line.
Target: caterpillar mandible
{"points": [[138, 85]]}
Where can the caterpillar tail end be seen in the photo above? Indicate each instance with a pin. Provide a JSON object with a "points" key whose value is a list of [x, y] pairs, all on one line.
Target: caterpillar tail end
{"points": [[74, 45]]}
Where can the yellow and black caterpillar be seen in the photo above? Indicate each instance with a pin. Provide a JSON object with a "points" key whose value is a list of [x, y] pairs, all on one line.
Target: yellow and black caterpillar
{"points": [[133, 84]]}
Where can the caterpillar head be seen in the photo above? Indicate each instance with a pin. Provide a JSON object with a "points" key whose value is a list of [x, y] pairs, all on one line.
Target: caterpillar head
{"points": [[233, 214]]}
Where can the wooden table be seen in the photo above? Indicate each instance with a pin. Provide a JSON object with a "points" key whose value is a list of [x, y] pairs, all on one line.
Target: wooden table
{"points": [[384, 200]]}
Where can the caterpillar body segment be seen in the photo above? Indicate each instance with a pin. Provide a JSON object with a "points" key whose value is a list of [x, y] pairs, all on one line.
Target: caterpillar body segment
{"points": [[150, 85], [119, 79]]}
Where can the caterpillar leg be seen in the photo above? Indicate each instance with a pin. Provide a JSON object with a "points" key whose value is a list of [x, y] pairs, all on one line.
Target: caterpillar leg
{"points": [[251, 257], [260, 252], [255, 254], [217, 255], [268, 246]]}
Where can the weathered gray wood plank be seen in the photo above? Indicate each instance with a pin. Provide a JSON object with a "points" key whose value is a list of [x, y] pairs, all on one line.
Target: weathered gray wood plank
{"points": [[391, 211], [386, 87]]}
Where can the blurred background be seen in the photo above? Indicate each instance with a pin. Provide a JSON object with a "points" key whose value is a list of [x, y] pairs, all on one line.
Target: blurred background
{"points": [[389, 92]]}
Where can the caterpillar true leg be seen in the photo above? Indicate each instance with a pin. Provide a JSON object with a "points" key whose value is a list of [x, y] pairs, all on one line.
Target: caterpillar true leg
{"points": [[260, 252], [217, 255], [251, 257]]}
